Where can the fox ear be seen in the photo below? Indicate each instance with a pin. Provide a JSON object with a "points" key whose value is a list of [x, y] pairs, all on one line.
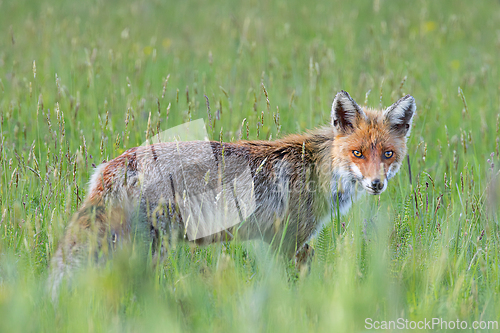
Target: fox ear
{"points": [[345, 112], [400, 115]]}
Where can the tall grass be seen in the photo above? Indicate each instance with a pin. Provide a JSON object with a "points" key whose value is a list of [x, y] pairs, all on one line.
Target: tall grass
{"points": [[83, 81]]}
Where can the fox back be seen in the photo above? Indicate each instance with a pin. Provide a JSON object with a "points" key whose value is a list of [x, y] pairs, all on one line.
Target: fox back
{"points": [[278, 191]]}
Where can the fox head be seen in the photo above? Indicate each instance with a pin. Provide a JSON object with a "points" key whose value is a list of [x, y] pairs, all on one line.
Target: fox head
{"points": [[370, 145]]}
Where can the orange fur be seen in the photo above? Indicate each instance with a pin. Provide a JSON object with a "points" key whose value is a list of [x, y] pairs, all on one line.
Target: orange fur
{"points": [[295, 183]]}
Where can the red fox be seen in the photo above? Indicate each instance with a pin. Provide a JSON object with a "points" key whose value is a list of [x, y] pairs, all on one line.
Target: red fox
{"points": [[279, 191]]}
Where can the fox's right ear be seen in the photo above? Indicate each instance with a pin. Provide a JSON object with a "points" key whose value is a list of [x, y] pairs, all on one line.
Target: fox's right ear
{"points": [[345, 112], [400, 115]]}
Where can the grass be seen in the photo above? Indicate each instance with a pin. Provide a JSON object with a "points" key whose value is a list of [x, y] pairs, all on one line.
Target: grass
{"points": [[83, 81]]}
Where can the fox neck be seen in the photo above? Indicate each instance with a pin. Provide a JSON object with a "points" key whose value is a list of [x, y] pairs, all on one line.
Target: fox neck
{"points": [[335, 184], [310, 166], [340, 185]]}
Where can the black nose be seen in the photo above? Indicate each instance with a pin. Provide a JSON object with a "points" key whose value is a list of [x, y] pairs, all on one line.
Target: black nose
{"points": [[377, 185]]}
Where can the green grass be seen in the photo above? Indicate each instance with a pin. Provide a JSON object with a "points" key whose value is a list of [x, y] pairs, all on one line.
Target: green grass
{"points": [[425, 250]]}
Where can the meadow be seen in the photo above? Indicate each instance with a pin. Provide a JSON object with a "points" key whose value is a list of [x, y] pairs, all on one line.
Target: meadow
{"points": [[81, 82]]}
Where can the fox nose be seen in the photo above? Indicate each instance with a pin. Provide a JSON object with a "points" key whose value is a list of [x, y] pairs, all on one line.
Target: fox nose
{"points": [[377, 185]]}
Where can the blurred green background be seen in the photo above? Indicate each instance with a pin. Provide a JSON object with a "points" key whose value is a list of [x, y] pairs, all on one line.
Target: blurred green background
{"points": [[80, 82]]}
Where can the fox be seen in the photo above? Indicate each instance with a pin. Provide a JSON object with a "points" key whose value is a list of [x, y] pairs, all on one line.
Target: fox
{"points": [[281, 191]]}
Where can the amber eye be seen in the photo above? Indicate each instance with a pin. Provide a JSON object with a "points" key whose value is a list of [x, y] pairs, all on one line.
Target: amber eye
{"points": [[357, 153], [388, 154]]}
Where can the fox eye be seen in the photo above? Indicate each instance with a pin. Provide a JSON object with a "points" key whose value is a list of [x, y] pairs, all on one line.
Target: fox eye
{"points": [[357, 153], [388, 154]]}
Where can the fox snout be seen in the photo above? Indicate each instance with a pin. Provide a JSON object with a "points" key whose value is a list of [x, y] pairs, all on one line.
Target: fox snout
{"points": [[372, 176], [375, 186], [373, 179]]}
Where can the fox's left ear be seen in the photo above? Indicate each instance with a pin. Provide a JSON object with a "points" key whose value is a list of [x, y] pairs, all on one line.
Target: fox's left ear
{"points": [[400, 115], [345, 112]]}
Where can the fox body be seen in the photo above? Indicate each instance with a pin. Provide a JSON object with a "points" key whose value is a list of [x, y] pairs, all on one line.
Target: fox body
{"points": [[279, 191]]}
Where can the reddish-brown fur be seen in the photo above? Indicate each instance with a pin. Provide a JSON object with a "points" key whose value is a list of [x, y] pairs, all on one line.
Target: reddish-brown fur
{"points": [[295, 182]]}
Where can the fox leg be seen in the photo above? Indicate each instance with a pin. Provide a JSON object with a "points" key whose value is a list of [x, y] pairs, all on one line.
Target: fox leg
{"points": [[165, 229], [303, 257], [290, 238]]}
